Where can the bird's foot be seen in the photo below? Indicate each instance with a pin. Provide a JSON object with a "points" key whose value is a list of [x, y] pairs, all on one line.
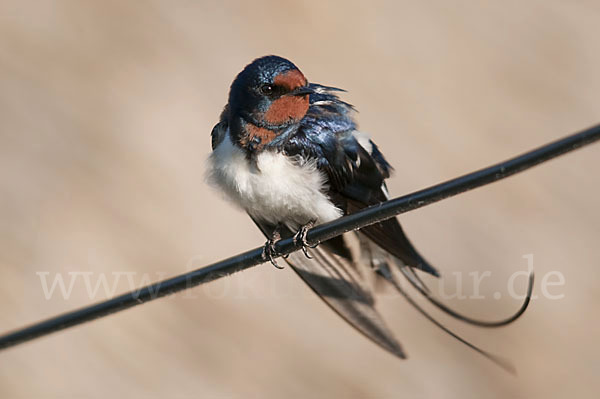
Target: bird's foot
{"points": [[300, 237], [269, 252]]}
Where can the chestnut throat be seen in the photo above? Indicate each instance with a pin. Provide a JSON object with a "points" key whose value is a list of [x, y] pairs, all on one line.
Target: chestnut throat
{"points": [[254, 134]]}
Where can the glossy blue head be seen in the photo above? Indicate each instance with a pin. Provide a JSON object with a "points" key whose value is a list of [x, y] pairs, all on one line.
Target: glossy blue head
{"points": [[268, 96]]}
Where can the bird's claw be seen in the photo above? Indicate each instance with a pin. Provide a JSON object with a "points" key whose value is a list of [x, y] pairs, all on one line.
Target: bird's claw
{"points": [[300, 237], [269, 252]]}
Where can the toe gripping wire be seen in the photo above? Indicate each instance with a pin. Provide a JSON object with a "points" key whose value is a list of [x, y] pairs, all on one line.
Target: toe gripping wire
{"points": [[414, 280], [300, 237], [269, 252]]}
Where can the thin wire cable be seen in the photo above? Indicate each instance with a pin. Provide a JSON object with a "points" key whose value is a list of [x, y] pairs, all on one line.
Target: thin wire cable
{"points": [[316, 235]]}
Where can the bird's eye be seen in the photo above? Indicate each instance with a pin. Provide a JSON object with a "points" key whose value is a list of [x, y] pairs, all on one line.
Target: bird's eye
{"points": [[267, 90]]}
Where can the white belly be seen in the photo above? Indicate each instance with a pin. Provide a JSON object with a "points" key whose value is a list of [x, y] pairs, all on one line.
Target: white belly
{"points": [[279, 189]]}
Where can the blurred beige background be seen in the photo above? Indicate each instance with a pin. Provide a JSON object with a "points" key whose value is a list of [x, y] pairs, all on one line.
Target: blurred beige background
{"points": [[105, 114]]}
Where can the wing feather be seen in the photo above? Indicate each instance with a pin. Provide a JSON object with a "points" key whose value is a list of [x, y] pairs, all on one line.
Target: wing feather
{"points": [[342, 283]]}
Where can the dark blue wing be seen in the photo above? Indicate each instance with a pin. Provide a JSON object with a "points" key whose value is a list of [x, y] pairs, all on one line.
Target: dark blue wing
{"points": [[355, 172]]}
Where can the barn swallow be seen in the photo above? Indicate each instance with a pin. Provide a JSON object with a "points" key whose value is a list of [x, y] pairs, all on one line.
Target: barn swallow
{"points": [[289, 153]]}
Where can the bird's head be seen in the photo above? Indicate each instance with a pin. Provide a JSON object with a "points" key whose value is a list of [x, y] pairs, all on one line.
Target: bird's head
{"points": [[268, 98]]}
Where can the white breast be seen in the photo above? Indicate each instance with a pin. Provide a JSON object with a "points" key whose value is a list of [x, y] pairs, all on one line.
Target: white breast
{"points": [[278, 189]]}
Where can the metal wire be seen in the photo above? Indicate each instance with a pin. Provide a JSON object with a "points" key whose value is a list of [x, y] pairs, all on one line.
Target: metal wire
{"points": [[368, 216]]}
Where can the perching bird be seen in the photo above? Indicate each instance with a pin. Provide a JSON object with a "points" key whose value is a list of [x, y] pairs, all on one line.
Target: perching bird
{"points": [[288, 152]]}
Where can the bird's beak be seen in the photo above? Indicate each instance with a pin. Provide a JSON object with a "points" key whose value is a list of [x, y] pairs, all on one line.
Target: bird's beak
{"points": [[302, 91]]}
